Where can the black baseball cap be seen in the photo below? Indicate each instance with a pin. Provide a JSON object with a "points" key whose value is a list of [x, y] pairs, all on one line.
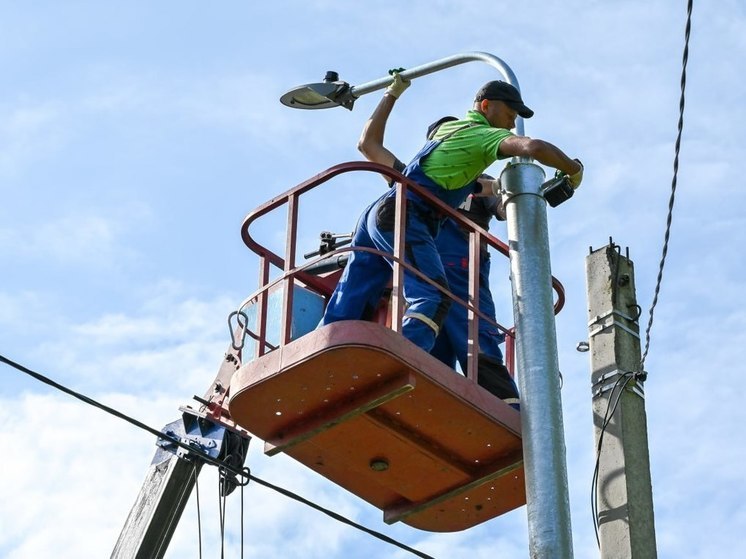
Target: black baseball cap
{"points": [[502, 91], [435, 125]]}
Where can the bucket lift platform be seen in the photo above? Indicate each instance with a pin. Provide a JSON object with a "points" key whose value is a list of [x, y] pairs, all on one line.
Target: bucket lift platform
{"points": [[367, 409], [360, 404]]}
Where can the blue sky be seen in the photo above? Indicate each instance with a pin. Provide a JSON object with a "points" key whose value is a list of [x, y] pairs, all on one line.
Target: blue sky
{"points": [[135, 136]]}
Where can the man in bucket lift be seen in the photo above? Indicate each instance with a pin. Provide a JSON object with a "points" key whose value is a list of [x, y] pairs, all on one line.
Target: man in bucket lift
{"points": [[448, 166], [453, 246]]}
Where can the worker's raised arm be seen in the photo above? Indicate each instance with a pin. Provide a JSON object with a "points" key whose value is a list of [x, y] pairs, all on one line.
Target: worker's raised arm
{"points": [[370, 143], [545, 153]]}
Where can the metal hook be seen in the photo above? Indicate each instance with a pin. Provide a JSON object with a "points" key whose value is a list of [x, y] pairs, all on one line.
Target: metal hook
{"points": [[238, 315]]}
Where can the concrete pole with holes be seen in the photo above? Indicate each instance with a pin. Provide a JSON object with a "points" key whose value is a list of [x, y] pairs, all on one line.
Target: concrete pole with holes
{"points": [[623, 492], [537, 364]]}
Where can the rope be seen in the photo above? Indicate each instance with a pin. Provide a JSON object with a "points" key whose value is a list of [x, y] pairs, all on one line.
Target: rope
{"points": [[669, 218], [244, 473]]}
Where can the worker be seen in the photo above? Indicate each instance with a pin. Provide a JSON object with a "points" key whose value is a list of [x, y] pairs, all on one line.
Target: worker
{"points": [[448, 167], [453, 246]]}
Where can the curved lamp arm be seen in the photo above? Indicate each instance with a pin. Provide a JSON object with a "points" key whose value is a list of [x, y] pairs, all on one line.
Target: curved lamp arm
{"points": [[333, 93]]}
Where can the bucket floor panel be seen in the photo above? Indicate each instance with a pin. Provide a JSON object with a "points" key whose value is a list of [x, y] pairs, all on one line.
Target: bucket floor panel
{"points": [[367, 409]]}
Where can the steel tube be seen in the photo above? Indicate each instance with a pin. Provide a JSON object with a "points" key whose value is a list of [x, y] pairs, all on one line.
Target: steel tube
{"points": [[437, 65], [547, 501]]}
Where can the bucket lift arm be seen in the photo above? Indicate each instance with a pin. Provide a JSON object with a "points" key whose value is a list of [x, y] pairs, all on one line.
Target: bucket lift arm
{"points": [[173, 472]]}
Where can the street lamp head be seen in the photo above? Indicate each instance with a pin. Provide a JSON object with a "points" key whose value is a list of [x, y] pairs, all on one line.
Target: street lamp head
{"points": [[322, 95]]}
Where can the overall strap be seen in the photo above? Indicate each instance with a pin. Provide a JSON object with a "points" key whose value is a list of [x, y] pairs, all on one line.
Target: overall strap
{"points": [[459, 129]]}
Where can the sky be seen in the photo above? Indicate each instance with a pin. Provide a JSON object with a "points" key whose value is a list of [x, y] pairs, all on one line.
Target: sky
{"points": [[134, 138]]}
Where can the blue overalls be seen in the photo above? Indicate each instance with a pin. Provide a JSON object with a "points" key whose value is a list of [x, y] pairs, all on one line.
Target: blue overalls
{"points": [[451, 343], [366, 275]]}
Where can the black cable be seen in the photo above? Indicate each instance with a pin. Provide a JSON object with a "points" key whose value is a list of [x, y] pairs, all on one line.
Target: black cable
{"points": [[615, 396], [669, 218], [338, 517], [120, 415], [244, 473], [242, 486], [222, 498], [628, 376], [199, 514]]}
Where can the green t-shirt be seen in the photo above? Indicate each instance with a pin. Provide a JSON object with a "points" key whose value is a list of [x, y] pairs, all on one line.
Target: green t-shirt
{"points": [[464, 156]]}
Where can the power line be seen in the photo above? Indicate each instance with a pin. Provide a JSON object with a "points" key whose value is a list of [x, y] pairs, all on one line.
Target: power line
{"points": [[625, 378], [244, 473], [118, 414], [669, 218]]}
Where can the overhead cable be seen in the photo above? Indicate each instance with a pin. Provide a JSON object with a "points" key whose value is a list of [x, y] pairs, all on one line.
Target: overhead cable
{"points": [[244, 473], [669, 218]]}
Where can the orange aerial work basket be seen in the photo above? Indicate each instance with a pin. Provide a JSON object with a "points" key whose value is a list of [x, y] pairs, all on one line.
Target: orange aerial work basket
{"points": [[361, 405]]}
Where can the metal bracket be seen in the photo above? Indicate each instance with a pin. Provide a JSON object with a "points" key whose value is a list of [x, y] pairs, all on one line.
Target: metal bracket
{"points": [[606, 382], [603, 325], [197, 432], [557, 190]]}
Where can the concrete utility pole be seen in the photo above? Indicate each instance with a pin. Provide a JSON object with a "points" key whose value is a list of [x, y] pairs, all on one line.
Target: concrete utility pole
{"points": [[623, 490]]}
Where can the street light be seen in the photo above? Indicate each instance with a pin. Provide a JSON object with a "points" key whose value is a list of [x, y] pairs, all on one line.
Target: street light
{"points": [[547, 501], [333, 92], [322, 95]]}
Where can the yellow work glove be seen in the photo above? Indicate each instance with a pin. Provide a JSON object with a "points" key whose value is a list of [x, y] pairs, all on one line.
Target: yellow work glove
{"points": [[577, 178], [574, 179], [397, 86]]}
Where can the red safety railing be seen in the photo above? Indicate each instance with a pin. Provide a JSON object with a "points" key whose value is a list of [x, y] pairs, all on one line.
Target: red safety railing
{"points": [[324, 285]]}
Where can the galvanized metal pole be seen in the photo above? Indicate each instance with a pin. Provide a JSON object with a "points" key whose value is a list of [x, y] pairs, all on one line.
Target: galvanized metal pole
{"points": [[547, 501], [624, 497]]}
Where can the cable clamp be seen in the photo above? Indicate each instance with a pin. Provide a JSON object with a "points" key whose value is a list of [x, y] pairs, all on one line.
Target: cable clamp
{"points": [[613, 312], [609, 381], [602, 324]]}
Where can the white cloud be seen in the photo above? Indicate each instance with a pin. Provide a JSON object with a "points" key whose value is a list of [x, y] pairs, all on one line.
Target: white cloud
{"points": [[61, 442], [92, 466], [27, 133], [18, 304], [169, 342], [87, 239]]}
